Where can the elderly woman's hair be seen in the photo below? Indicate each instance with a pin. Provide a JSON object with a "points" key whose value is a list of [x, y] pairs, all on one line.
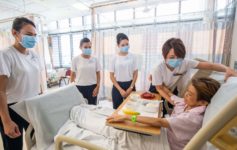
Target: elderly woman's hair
{"points": [[206, 88]]}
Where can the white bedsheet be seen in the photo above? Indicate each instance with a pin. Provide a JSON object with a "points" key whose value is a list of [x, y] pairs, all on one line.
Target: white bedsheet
{"points": [[88, 123]]}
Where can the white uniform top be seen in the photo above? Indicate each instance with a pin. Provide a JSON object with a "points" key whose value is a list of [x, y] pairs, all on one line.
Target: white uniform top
{"points": [[162, 75], [23, 72], [85, 70], [123, 67]]}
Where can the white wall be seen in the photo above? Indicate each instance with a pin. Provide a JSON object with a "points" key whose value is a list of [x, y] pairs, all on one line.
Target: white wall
{"points": [[234, 44]]}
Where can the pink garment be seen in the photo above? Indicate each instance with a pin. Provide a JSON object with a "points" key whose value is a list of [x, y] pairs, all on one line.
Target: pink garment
{"points": [[183, 124]]}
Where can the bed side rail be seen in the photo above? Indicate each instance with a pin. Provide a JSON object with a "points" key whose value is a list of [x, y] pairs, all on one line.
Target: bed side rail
{"points": [[212, 129], [61, 138]]}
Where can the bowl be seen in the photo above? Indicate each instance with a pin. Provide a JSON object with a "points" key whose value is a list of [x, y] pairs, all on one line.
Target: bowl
{"points": [[134, 97], [151, 107]]}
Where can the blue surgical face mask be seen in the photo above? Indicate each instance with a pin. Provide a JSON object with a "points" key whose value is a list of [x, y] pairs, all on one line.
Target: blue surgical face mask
{"points": [[28, 41], [174, 62], [124, 49], [87, 51]]}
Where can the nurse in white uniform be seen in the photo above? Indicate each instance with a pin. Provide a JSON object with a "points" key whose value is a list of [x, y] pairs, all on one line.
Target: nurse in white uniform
{"points": [[86, 72], [123, 71], [20, 74], [169, 72]]}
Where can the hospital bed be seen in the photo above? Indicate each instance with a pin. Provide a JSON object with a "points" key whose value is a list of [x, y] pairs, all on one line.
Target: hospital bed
{"points": [[48, 113]]}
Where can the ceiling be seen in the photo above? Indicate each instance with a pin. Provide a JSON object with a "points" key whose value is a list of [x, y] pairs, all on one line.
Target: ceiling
{"points": [[61, 9], [50, 9]]}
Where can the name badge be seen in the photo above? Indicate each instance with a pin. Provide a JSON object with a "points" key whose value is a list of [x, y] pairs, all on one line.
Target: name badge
{"points": [[179, 74]]}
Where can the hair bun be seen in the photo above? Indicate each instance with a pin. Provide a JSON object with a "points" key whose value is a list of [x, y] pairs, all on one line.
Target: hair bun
{"points": [[120, 37]]}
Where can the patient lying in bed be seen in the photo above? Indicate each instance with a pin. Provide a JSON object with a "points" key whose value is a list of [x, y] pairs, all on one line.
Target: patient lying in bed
{"points": [[88, 123], [186, 118]]}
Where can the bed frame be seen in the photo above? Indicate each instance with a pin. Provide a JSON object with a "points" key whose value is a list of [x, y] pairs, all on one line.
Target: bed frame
{"points": [[221, 132], [216, 132], [61, 139]]}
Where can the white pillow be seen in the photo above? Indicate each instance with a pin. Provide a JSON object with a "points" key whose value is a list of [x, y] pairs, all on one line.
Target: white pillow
{"points": [[223, 96], [48, 112]]}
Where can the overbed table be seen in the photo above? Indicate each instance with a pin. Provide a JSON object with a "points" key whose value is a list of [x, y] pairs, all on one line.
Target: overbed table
{"points": [[137, 127]]}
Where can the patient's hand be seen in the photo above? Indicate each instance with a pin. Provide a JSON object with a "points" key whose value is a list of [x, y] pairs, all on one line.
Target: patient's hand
{"points": [[117, 118]]}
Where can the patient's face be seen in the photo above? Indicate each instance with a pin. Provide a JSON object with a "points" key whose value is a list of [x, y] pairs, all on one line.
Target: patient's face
{"points": [[190, 97]]}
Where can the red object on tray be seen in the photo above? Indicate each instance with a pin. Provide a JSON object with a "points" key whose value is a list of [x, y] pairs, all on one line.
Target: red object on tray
{"points": [[147, 95]]}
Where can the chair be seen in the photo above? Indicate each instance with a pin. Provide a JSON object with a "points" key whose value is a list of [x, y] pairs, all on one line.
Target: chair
{"points": [[65, 76]]}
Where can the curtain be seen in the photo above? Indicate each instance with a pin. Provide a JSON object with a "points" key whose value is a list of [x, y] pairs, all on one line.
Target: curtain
{"points": [[5, 39], [208, 39]]}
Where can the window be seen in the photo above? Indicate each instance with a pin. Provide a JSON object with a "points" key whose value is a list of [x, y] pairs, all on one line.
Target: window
{"points": [[144, 15], [189, 6], [56, 52], [221, 7], [221, 4], [63, 24], [87, 20], [65, 50], [168, 11], [124, 16], [106, 19], [87, 34], [76, 22], [52, 26], [188, 10], [76, 38], [65, 47]]}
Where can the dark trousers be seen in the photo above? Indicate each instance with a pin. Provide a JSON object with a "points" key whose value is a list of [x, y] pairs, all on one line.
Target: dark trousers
{"points": [[152, 89], [116, 96], [87, 92], [17, 143]]}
